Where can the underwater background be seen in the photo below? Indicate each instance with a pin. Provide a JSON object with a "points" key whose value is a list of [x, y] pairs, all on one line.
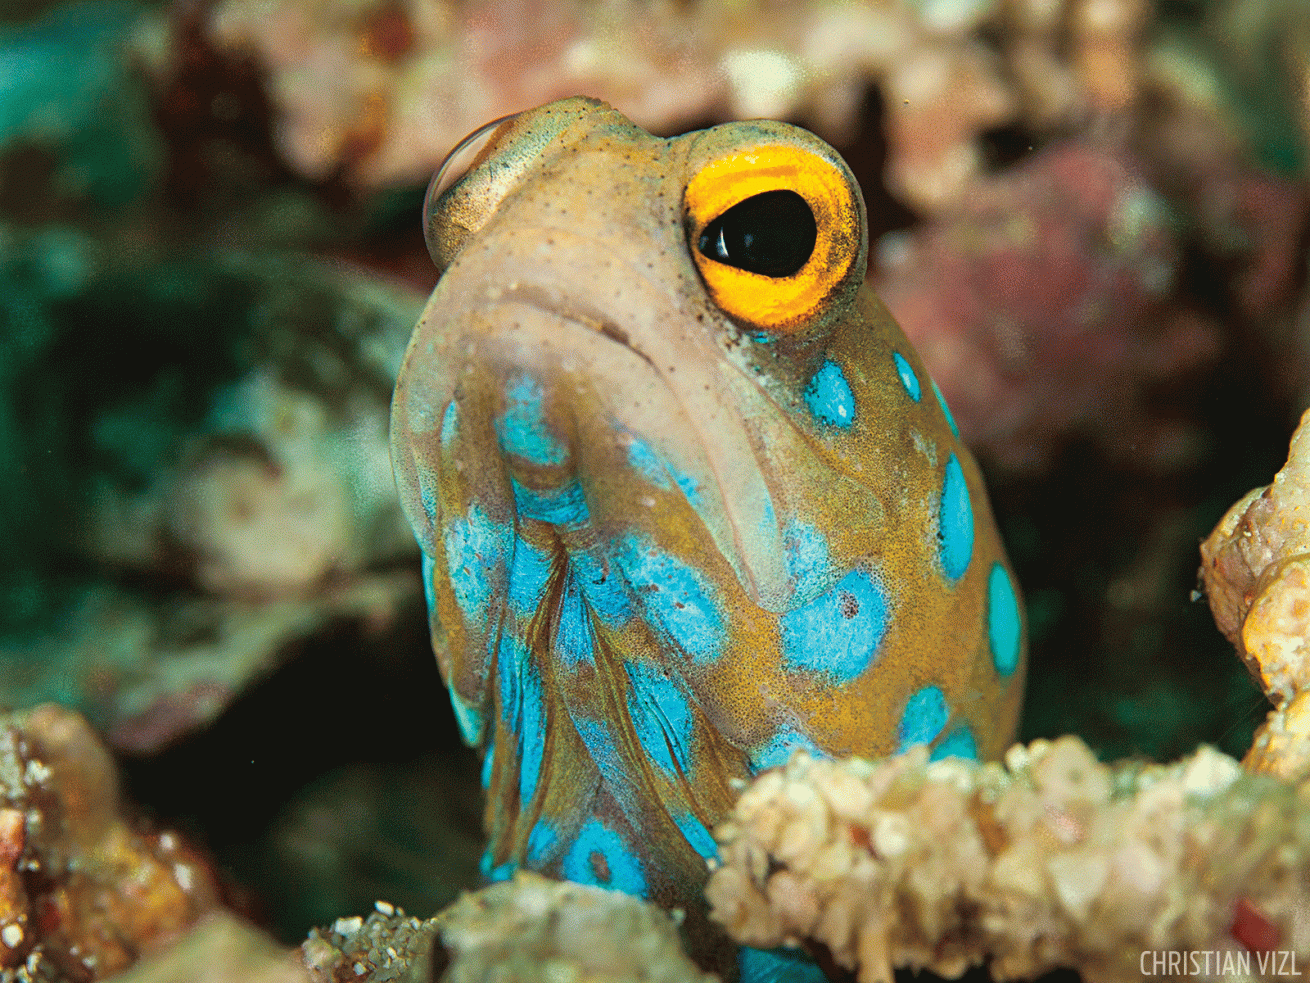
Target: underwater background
{"points": [[1089, 215]]}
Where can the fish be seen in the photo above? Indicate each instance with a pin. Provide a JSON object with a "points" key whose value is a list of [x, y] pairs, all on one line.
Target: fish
{"points": [[688, 501]]}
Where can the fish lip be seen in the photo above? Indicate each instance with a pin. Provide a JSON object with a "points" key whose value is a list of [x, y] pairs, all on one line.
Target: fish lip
{"points": [[544, 281], [539, 297]]}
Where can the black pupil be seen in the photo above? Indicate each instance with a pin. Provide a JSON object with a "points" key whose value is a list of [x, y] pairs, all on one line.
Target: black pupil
{"points": [[771, 233]]}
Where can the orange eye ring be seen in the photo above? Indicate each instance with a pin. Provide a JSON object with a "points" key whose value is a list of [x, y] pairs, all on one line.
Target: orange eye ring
{"points": [[779, 304]]}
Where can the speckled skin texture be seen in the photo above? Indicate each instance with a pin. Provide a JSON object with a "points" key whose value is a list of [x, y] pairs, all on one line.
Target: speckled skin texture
{"points": [[663, 550]]}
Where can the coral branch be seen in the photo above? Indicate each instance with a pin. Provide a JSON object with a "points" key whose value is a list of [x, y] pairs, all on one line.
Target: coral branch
{"points": [[1049, 860]]}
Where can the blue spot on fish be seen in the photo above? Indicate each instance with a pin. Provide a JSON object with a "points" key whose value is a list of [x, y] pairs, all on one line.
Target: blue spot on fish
{"points": [[541, 841], [925, 715], [829, 396], [574, 642], [697, 835], [806, 553], [599, 741], [1004, 626], [658, 471], [602, 586], [678, 599], [908, 379], [689, 487], [778, 749], [429, 568], [522, 707], [958, 744], [475, 548], [449, 425], [488, 763], [941, 401], [563, 506], [661, 715], [496, 874], [955, 522], [646, 462], [600, 857], [838, 633], [528, 573], [522, 428], [777, 966]]}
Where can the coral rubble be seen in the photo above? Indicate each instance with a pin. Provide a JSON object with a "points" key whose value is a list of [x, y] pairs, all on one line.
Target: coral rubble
{"points": [[526, 930], [1049, 860], [82, 891], [379, 90], [386, 946], [1256, 572]]}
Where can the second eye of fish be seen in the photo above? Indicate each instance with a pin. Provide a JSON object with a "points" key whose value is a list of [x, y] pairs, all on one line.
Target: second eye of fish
{"points": [[772, 234]]}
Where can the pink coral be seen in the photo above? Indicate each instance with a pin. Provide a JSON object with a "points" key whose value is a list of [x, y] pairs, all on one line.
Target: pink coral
{"points": [[1045, 307], [377, 91]]}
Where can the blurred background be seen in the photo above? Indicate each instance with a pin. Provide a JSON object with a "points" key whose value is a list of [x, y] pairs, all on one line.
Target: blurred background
{"points": [[1089, 215]]}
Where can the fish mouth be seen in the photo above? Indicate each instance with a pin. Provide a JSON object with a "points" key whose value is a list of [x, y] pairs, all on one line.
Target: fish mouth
{"points": [[555, 301], [592, 320], [705, 424], [704, 397]]}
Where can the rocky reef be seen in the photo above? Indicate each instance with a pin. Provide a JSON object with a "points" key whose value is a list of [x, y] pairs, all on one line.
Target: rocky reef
{"points": [[84, 889], [1091, 215], [1048, 860], [235, 461], [1256, 571]]}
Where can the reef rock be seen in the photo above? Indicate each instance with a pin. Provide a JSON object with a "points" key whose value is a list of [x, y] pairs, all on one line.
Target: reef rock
{"points": [[199, 472], [1256, 573], [222, 949], [528, 930], [83, 892]]}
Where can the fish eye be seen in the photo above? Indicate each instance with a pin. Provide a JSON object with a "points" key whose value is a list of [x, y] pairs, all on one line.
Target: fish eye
{"points": [[775, 232], [771, 234]]}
